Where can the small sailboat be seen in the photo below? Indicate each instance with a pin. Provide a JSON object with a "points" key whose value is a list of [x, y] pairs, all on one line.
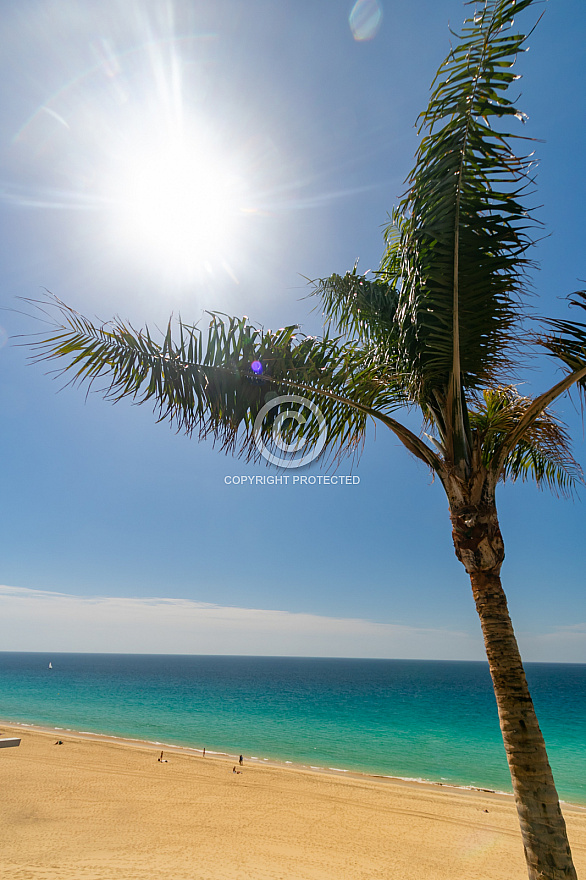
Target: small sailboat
{"points": [[50, 665]]}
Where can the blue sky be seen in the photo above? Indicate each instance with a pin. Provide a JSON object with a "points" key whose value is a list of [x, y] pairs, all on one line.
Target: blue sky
{"points": [[117, 533]]}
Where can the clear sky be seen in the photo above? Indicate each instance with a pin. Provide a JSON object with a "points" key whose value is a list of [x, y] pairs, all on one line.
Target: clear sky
{"points": [[159, 158]]}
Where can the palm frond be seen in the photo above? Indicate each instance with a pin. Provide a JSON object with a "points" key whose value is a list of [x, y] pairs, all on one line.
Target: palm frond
{"points": [[543, 453], [568, 344], [216, 383], [463, 232], [359, 307], [568, 341]]}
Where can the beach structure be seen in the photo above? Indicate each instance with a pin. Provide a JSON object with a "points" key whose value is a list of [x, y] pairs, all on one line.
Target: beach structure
{"points": [[439, 327], [9, 742]]}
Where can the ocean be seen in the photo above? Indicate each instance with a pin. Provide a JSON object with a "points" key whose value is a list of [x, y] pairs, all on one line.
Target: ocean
{"points": [[425, 720]]}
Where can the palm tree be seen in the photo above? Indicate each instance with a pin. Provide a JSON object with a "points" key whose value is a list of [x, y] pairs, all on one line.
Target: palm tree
{"points": [[439, 326]]}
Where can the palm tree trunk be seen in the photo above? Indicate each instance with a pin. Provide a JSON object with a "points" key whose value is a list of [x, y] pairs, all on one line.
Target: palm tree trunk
{"points": [[542, 825], [479, 546]]}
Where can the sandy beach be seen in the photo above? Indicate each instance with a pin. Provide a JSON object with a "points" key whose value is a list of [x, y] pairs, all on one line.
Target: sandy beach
{"points": [[94, 809]]}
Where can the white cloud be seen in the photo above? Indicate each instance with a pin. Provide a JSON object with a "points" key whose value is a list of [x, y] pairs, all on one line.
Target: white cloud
{"points": [[35, 620], [563, 644]]}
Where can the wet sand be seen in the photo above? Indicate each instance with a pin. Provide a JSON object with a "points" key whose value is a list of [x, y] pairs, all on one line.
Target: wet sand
{"points": [[99, 809]]}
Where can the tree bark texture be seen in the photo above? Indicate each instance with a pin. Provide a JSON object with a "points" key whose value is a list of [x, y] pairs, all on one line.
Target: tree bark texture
{"points": [[543, 829], [479, 546]]}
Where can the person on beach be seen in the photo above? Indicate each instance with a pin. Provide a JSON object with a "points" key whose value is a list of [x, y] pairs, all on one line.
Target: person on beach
{"points": [[162, 760], [204, 752], [241, 760]]}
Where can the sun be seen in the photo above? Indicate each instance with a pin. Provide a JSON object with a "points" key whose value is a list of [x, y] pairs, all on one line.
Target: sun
{"points": [[168, 181], [179, 201]]}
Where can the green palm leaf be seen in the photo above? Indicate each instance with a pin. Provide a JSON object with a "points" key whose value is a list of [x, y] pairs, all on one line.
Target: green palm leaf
{"points": [[205, 383], [568, 342], [542, 454], [463, 233]]}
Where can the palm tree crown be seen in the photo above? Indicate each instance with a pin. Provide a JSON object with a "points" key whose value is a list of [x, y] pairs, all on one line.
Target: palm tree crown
{"points": [[438, 326]]}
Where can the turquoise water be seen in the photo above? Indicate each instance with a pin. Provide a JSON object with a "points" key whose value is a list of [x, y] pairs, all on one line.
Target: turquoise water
{"points": [[427, 720]]}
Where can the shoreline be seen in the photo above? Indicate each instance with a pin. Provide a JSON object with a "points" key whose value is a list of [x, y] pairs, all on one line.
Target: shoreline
{"points": [[98, 807], [255, 761]]}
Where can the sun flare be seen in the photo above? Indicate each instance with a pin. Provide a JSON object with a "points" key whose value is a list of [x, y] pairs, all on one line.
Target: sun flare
{"points": [[178, 201], [169, 173]]}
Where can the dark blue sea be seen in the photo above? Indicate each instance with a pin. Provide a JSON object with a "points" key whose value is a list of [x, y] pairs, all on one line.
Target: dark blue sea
{"points": [[424, 720]]}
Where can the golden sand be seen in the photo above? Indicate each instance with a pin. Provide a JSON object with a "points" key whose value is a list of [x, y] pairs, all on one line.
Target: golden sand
{"points": [[94, 809]]}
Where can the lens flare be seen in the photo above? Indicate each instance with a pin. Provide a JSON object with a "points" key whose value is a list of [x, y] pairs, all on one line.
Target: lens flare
{"points": [[256, 367], [365, 19]]}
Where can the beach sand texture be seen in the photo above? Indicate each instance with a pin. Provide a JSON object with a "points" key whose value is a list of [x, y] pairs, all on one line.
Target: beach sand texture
{"points": [[98, 810]]}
